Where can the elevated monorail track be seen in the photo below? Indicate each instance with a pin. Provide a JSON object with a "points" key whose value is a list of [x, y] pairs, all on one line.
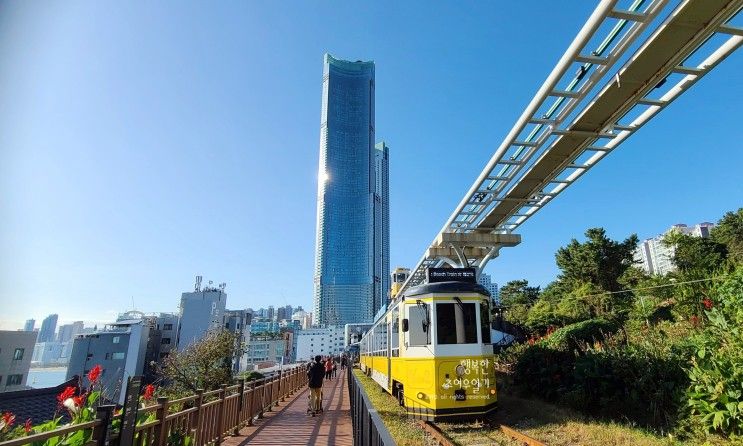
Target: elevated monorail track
{"points": [[584, 110]]}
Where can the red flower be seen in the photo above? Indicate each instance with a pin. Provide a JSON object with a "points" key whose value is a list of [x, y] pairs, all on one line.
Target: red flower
{"points": [[694, 320], [707, 304], [79, 400], [8, 419], [68, 392], [149, 390], [94, 373], [27, 426]]}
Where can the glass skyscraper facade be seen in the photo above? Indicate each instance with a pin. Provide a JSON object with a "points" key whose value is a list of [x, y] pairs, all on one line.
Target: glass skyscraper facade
{"points": [[352, 199]]}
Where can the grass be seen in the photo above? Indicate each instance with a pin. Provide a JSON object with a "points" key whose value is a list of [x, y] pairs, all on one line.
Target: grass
{"points": [[404, 431], [550, 424]]}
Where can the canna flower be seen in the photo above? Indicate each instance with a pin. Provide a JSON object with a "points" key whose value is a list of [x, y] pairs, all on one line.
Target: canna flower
{"points": [[6, 421], [27, 426], [95, 373], [149, 390], [66, 394], [707, 304], [79, 400]]}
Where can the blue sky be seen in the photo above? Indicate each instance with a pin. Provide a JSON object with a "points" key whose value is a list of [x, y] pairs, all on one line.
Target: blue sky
{"points": [[144, 143]]}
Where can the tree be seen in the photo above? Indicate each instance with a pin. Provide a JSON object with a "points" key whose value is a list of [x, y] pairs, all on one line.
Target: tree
{"points": [[518, 292], [599, 261], [696, 253], [205, 364], [729, 232], [517, 296]]}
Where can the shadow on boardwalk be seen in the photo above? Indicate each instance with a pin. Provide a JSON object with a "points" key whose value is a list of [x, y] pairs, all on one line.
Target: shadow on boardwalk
{"points": [[289, 424]]}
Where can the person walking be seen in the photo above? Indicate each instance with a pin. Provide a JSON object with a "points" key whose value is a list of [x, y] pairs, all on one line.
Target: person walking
{"points": [[335, 366], [315, 375], [344, 360], [328, 368]]}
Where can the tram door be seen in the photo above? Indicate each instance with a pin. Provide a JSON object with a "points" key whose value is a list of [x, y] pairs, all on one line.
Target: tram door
{"points": [[389, 354]]}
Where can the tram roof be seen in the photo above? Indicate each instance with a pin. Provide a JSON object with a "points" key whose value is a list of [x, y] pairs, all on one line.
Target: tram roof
{"points": [[446, 287]]}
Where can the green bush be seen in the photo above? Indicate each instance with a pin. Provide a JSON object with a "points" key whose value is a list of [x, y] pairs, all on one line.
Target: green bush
{"points": [[633, 382], [715, 396], [643, 382], [545, 372], [252, 375], [572, 337]]}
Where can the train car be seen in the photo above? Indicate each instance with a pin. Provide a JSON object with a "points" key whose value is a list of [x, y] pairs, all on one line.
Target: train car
{"points": [[432, 351]]}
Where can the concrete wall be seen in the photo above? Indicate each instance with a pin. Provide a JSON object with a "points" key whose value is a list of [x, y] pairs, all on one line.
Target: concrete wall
{"points": [[10, 341]]}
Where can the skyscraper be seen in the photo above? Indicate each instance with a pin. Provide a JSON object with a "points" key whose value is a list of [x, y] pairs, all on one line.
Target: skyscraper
{"points": [[381, 225], [48, 327], [29, 325], [348, 277]]}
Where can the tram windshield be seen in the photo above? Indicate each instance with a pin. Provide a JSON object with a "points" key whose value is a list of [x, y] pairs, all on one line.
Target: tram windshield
{"points": [[456, 323]]}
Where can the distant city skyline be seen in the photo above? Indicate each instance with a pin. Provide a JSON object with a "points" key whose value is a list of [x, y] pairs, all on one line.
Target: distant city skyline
{"points": [[160, 153]]}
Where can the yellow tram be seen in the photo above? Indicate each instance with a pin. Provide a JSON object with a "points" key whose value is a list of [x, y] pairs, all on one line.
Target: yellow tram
{"points": [[432, 351]]}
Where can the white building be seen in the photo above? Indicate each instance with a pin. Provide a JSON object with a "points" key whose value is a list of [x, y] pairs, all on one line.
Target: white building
{"points": [[657, 258], [492, 287], [304, 318], [318, 341]]}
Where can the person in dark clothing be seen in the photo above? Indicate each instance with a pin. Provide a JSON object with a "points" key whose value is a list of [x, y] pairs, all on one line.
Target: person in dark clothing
{"points": [[315, 375]]}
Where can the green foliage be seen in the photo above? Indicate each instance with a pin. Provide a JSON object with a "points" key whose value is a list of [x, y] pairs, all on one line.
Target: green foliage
{"points": [[634, 382], [544, 371], [599, 260], [206, 364], [608, 379], [518, 292], [252, 375], [715, 395], [729, 232], [574, 336], [517, 296], [696, 253]]}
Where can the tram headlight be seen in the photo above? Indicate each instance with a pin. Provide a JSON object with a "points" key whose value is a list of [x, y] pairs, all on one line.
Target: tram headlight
{"points": [[459, 370]]}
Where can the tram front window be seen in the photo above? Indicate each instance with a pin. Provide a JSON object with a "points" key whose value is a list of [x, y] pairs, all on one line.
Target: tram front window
{"points": [[456, 323], [485, 322]]}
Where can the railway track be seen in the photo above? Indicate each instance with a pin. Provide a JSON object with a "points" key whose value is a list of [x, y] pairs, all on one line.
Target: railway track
{"points": [[442, 440]]}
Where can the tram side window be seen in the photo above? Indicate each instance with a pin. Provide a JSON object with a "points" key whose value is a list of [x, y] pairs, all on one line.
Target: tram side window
{"points": [[485, 322], [449, 317], [419, 323], [395, 333]]}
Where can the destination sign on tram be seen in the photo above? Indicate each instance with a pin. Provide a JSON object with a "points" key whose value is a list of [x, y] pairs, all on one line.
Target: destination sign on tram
{"points": [[452, 275]]}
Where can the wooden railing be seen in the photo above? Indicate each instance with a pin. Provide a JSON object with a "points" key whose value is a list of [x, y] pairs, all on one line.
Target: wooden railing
{"points": [[206, 417]]}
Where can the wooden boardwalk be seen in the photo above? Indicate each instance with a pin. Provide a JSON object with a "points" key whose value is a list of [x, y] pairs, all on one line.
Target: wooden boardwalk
{"points": [[290, 425]]}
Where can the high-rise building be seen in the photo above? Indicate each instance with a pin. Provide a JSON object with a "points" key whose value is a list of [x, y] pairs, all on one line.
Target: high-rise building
{"points": [[381, 225], [29, 325], [492, 287], [48, 328], [68, 331], [270, 313], [200, 312], [655, 257], [281, 314], [346, 281]]}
